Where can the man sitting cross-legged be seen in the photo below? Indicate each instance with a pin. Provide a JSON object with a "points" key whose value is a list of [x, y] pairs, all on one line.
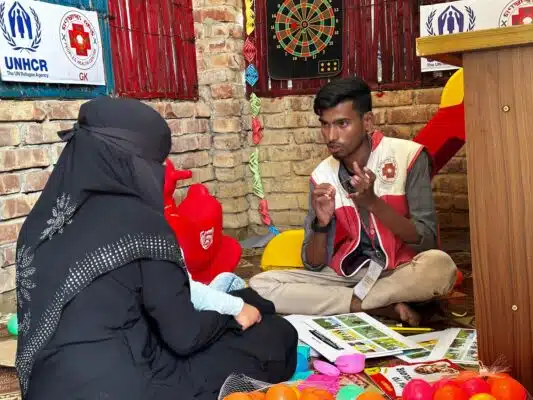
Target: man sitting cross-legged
{"points": [[371, 231]]}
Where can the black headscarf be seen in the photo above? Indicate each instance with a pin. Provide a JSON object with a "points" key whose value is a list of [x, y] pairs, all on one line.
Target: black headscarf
{"points": [[102, 208]]}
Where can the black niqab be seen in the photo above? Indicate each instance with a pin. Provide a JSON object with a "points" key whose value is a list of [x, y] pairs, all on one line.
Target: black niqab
{"points": [[102, 208]]}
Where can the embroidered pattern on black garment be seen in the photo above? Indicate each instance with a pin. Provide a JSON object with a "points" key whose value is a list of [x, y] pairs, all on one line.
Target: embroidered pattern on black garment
{"points": [[81, 274], [61, 215], [24, 283]]}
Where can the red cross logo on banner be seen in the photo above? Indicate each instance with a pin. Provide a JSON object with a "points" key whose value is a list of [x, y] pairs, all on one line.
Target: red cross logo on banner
{"points": [[524, 16], [79, 39]]}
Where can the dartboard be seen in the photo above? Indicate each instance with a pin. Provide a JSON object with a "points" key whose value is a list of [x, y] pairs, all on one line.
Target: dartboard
{"points": [[305, 38]]}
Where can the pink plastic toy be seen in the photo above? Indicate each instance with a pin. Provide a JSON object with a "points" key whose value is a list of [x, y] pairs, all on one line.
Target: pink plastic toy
{"points": [[351, 363], [326, 368]]}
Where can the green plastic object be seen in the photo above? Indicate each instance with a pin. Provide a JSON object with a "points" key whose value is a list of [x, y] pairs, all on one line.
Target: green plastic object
{"points": [[12, 325], [349, 392]]}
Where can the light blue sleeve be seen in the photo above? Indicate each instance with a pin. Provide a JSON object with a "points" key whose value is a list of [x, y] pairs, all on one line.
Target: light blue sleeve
{"points": [[204, 298]]}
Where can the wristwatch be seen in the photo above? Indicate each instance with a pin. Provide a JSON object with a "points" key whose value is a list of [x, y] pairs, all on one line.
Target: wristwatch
{"points": [[320, 229]]}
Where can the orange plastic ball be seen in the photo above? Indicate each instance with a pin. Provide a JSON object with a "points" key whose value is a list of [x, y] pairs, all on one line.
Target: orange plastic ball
{"points": [[281, 392], [323, 394], [257, 396], [309, 394], [238, 396], [370, 396], [507, 388], [450, 392]]}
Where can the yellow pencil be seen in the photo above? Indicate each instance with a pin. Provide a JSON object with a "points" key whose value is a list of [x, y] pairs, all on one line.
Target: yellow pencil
{"points": [[401, 328]]}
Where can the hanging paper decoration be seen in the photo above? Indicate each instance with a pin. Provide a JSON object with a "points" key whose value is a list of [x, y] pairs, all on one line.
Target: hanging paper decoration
{"points": [[255, 104], [257, 130], [263, 210], [251, 75], [257, 184], [249, 50], [250, 16]]}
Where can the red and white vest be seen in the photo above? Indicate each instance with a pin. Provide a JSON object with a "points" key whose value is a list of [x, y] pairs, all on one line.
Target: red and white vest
{"points": [[390, 160]]}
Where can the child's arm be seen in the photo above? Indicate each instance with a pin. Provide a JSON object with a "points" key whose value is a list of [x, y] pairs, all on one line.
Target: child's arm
{"points": [[204, 297]]}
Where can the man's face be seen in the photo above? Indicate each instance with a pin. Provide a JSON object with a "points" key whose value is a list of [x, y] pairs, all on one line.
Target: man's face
{"points": [[344, 129]]}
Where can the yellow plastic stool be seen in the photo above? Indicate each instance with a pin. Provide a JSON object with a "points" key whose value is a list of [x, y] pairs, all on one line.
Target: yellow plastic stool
{"points": [[284, 251]]}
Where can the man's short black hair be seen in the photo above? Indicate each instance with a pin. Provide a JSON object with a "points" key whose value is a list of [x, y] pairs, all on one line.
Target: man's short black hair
{"points": [[343, 89]]}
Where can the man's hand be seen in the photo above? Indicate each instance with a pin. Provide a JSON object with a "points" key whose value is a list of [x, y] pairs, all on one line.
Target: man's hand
{"points": [[248, 316], [363, 182], [323, 202]]}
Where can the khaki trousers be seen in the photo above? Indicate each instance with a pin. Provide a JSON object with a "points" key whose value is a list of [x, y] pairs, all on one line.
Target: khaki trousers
{"points": [[430, 274]]}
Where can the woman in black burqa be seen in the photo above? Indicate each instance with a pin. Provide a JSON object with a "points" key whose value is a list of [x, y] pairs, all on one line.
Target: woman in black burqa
{"points": [[103, 298]]}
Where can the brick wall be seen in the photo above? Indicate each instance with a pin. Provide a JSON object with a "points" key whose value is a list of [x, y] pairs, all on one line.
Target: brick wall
{"points": [[212, 138]]}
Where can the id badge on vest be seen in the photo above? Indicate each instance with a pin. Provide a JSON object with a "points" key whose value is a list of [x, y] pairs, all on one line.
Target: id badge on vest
{"points": [[369, 280]]}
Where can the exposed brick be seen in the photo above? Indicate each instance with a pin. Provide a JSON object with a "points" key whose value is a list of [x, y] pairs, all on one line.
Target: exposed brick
{"points": [[231, 189], [291, 218], [314, 151], [9, 135], [34, 181], [236, 31], [460, 202], [233, 3], [159, 106], [227, 159], [287, 185], [284, 153], [226, 60], [202, 110], [309, 135], [23, 158], [303, 201], [215, 30], [55, 152], [300, 103], [9, 231], [272, 136], [180, 110], [393, 99], [305, 167], [443, 201], [22, 111], [181, 144], [224, 108], [214, 76], [226, 125], [273, 106], [428, 96], [247, 122], [199, 175], [215, 14], [380, 116], [61, 109], [239, 220], [398, 131], [453, 220], [230, 174], [277, 201], [457, 165], [45, 132], [291, 120], [185, 126], [190, 160], [408, 115], [416, 128], [9, 183], [275, 169], [235, 205], [453, 184], [7, 255], [17, 205], [222, 91], [227, 142]]}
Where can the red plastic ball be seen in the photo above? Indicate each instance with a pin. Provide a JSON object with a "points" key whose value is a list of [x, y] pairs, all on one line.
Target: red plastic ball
{"points": [[507, 388], [450, 392], [474, 386], [443, 382], [418, 389]]}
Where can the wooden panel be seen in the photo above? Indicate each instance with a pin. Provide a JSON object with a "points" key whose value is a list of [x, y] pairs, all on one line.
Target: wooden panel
{"points": [[500, 189], [447, 48], [48, 90]]}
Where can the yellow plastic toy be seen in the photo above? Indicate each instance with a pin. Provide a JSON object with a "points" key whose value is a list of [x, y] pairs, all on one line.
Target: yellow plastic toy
{"points": [[284, 251]]}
